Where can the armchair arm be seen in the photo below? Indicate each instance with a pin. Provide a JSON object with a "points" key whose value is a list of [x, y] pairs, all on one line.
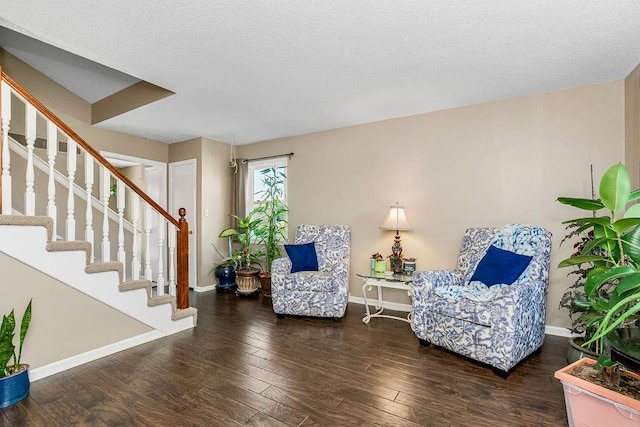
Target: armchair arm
{"points": [[521, 307], [424, 282], [340, 275], [280, 266]]}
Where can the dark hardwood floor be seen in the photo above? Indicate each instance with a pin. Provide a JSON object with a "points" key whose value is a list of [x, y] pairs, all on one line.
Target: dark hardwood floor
{"points": [[243, 366]]}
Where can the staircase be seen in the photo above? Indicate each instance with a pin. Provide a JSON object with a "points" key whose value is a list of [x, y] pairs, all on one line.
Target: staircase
{"points": [[120, 275]]}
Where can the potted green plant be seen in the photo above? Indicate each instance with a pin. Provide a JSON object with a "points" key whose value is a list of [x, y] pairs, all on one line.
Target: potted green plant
{"points": [[224, 271], [612, 284], [610, 257], [14, 378], [272, 229], [247, 254], [599, 393]]}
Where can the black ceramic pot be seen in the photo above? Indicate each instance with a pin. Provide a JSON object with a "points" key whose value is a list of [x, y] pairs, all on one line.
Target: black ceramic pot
{"points": [[624, 344], [226, 277], [576, 352]]}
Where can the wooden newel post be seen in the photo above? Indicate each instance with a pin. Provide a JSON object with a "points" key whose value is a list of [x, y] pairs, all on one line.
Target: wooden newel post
{"points": [[183, 261]]}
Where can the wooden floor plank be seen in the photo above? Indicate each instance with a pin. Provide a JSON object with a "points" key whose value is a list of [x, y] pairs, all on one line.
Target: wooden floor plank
{"points": [[244, 366]]}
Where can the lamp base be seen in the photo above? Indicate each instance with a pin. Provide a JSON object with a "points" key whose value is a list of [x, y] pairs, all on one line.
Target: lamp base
{"points": [[396, 264]]}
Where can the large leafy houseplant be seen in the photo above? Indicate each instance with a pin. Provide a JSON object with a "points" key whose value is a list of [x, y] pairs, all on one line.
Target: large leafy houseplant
{"points": [[611, 294], [248, 253], [272, 229]]}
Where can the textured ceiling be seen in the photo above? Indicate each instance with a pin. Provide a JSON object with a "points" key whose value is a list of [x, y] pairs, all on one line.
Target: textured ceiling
{"points": [[261, 70]]}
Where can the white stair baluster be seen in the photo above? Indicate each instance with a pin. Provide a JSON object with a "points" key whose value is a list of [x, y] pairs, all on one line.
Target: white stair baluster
{"points": [[88, 182], [172, 266], [71, 170], [105, 187], [147, 246], [30, 136], [52, 150], [122, 256], [135, 261], [161, 251], [6, 159]]}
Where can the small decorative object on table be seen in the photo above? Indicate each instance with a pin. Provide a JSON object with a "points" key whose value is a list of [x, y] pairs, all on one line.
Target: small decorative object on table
{"points": [[396, 220], [409, 265], [380, 265]]}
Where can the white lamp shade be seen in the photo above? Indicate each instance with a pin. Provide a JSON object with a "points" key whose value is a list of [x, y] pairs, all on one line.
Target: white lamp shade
{"points": [[396, 220]]}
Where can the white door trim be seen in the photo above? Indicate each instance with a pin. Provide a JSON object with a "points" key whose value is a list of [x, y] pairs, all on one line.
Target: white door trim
{"points": [[193, 223]]}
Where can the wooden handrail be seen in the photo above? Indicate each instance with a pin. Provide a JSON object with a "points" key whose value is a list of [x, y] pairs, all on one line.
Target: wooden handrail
{"points": [[182, 226], [88, 148]]}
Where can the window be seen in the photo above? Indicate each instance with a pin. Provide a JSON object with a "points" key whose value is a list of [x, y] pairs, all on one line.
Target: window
{"points": [[255, 185]]}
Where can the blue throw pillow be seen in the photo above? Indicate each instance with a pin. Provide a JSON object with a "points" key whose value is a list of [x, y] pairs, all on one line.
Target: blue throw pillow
{"points": [[500, 266], [303, 257]]}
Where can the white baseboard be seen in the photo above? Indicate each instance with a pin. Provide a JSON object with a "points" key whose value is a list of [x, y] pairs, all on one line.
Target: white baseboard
{"points": [[559, 331], [385, 304], [89, 356], [204, 288], [549, 330]]}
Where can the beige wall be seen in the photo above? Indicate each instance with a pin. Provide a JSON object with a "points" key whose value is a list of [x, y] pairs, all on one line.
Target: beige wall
{"points": [[65, 322], [213, 178], [216, 182], [632, 125], [483, 165]]}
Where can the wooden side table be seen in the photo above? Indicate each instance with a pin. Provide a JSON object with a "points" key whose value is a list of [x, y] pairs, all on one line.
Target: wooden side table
{"points": [[380, 281]]}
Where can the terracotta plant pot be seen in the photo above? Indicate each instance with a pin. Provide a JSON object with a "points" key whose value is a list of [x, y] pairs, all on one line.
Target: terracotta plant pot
{"points": [[589, 404], [14, 388], [265, 284], [247, 280]]}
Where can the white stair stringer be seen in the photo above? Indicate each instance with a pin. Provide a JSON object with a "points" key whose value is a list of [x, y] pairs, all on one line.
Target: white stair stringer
{"points": [[28, 244]]}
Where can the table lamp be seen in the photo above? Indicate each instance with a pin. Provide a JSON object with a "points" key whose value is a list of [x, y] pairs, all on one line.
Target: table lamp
{"points": [[396, 220]]}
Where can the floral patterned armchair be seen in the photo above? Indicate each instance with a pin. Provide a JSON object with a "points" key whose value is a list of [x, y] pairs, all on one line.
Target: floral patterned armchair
{"points": [[321, 293], [498, 325]]}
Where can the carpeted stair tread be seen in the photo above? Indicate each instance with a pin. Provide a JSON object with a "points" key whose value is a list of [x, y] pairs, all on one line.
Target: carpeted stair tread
{"points": [[131, 285], [41, 220], [74, 245], [185, 312], [101, 267], [162, 299]]}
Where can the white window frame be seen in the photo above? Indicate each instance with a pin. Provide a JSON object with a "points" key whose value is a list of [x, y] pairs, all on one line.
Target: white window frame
{"points": [[258, 165]]}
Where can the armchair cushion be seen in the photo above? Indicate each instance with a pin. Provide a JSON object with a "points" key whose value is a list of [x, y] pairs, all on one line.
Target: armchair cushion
{"points": [[316, 281], [500, 266], [303, 257]]}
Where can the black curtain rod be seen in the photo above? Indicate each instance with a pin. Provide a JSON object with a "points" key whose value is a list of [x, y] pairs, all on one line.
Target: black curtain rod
{"points": [[289, 155]]}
